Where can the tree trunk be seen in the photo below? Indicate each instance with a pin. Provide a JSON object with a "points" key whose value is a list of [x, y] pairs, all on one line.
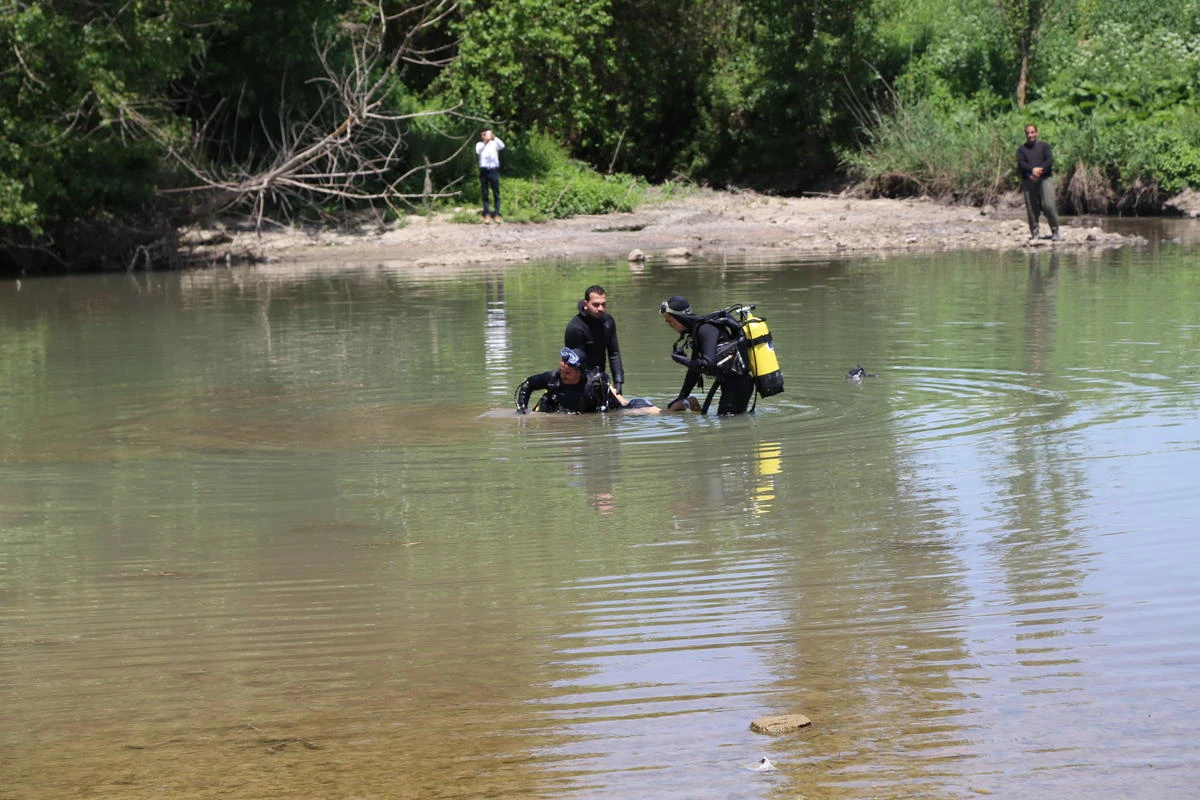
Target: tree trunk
{"points": [[1023, 77]]}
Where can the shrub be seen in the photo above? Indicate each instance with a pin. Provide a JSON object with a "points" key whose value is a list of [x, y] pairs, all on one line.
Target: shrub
{"points": [[540, 182], [923, 149]]}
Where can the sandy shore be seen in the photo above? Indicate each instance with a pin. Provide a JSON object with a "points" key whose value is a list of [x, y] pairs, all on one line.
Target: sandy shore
{"points": [[697, 224]]}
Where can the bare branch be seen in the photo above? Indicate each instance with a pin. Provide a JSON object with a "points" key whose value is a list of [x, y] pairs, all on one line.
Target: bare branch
{"points": [[351, 148]]}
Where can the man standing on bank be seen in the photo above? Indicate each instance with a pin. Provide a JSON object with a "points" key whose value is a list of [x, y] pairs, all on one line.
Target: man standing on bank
{"points": [[488, 149], [594, 331], [1035, 165]]}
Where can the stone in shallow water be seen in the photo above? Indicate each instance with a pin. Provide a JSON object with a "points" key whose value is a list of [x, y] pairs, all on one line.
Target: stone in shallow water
{"points": [[782, 723]]}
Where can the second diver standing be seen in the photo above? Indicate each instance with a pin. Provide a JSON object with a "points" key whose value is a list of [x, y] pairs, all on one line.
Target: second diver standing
{"points": [[704, 336]]}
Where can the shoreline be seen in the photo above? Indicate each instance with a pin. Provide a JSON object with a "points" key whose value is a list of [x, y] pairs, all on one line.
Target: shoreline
{"points": [[697, 223]]}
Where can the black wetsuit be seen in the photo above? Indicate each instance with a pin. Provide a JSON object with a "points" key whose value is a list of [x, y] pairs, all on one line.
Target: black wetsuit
{"points": [[597, 338], [736, 390], [559, 396]]}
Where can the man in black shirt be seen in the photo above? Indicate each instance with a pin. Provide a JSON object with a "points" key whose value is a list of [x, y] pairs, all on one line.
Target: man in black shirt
{"points": [[1035, 164]]}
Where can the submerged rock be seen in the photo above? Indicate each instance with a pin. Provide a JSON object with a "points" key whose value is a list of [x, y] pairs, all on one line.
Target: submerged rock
{"points": [[782, 723]]}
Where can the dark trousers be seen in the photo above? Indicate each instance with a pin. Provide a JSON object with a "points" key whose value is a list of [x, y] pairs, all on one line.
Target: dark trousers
{"points": [[1039, 199], [736, 393], [489, 179]]}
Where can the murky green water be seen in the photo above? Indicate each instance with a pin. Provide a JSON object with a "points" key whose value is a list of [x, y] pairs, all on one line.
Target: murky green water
{"points": [[273, 533]]}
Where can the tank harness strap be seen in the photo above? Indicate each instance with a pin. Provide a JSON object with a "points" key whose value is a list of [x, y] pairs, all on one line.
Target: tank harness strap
{"points": [[716, 384]]}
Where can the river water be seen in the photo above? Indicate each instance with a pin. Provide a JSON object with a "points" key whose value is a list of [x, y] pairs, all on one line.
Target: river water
{"points": [[274, 532]]}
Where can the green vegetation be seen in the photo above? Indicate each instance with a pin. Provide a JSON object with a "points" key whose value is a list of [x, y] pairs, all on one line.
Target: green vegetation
{"points": [[121, 122], [1113, 86]]}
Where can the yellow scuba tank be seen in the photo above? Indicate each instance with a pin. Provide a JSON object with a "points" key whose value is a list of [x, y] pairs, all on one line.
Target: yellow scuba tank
{"points": [[760, 353]]}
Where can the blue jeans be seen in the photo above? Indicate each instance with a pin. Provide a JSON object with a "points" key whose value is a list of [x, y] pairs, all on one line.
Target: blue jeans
{"points": [[489, 178]]}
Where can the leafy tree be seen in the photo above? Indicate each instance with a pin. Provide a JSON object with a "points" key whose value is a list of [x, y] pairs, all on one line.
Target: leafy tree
{"points": [[788, 79], [530, 62]]}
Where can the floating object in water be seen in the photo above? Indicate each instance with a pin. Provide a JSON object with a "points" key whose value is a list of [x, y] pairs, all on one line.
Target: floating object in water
{"points": [[762, 765], [858, 373]]}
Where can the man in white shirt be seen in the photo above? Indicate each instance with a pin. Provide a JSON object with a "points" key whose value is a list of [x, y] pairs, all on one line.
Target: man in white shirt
{"points": [[488, 149]]}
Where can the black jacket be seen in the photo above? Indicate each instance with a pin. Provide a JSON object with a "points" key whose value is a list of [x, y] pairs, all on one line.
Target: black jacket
{"points": [[1033, 155], [559, 396], [597, 338]]}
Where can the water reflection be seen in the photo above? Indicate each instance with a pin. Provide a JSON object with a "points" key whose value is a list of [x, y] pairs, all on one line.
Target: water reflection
{"points": [[262, 532], [497, 351]]}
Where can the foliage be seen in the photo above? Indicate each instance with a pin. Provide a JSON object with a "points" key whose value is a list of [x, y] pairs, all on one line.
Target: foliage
{"points": [[785, 89], [110, 109], [1115, 88], [541, 182], [516, 56], [922, 149], [947, 58], [81, 72]]}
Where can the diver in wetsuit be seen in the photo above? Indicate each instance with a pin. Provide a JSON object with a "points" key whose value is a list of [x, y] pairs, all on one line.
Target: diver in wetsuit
{"points": [[570, 388], [594, 331], [705, 336]]}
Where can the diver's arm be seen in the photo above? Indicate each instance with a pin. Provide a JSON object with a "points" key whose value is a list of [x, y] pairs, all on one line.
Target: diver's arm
{"points": [[618, 371], [706, 337], [528, 386], [616, 368], [689, 382]]}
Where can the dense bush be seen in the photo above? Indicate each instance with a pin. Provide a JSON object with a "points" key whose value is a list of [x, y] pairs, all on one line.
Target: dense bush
{"points": [[928, 149]]}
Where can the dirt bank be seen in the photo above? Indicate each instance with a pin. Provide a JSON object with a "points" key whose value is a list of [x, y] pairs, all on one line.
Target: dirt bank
{"points": [[702, 224]]}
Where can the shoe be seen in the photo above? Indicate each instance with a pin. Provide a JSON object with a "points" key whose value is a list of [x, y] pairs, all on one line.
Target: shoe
{"points": [[487, 220], [1055, 237], [499, 220]]}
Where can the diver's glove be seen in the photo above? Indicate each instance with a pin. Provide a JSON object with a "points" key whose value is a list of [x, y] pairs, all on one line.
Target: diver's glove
{"points": [[681, 358]]}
